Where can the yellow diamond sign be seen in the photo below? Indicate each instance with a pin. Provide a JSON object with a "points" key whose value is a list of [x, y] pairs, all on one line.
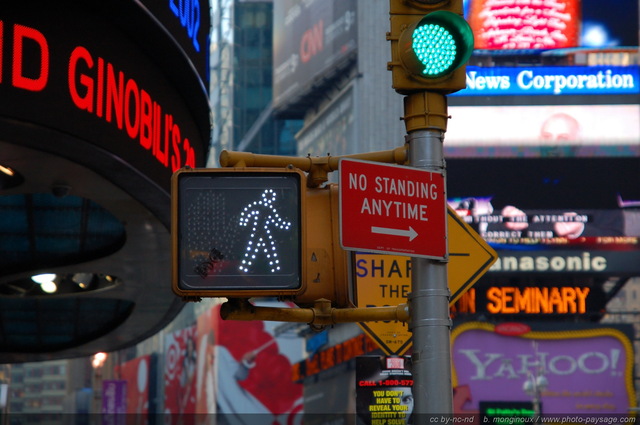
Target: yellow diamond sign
{"points": [[385, 280]]}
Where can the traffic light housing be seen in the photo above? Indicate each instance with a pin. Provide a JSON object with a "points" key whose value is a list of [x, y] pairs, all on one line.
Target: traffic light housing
{"points": [[256, 232], [430, 44]]}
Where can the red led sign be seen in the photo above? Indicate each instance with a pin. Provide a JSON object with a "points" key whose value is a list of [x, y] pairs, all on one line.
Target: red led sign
{"points": [[517, 24], [120, 92]]}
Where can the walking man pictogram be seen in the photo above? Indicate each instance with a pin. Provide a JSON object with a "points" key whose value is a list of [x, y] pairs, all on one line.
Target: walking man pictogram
{"points": [[263, 218]]}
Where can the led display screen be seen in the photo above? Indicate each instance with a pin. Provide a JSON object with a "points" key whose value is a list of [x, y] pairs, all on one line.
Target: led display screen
{"points": [[84, 75], [556, 24], [519, 131], [553, 215]]}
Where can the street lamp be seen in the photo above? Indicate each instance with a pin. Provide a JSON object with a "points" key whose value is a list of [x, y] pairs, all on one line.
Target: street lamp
{"points": [[536, 384], [97, 362]]}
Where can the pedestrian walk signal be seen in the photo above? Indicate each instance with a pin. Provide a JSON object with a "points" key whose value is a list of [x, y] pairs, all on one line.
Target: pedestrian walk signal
{"points": [[237, 232]]}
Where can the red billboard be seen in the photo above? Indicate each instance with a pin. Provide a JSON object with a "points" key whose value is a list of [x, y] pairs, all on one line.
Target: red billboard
{"points": [[180, 372], [230, 369], [514, 24], [136, 374]]}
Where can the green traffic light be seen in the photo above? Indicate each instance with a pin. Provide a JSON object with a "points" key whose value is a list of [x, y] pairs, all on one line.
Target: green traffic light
{"points": [[435, 47], [440, 42]]}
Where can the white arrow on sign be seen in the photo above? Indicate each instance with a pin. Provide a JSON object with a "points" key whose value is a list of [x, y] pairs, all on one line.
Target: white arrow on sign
{"points": [[411, 234]]}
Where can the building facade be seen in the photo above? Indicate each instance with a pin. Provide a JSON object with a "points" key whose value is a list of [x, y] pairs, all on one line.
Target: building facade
{"points": [[241, 82]]}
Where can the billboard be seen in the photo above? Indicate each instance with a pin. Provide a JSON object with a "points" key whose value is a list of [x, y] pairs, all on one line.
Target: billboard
{"points": [[559, 24], [114, 396], [554, 48], [517, 25], [543, 131], [312, 42], [553, 215], [210, 370], [551, 80], [180, 359], [138, 376], [134, 100], [584, 371]]}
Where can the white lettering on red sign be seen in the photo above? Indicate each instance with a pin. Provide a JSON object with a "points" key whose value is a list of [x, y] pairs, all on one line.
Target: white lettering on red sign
{"points": [[392, 209], [391, 186]]}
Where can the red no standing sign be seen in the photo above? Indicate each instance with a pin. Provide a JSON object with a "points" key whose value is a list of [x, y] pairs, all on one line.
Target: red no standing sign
{"points": [[392, 209]]}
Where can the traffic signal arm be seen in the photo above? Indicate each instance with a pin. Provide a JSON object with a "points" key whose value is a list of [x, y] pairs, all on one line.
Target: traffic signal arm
{"points": [[321, 314], [317, 167]]}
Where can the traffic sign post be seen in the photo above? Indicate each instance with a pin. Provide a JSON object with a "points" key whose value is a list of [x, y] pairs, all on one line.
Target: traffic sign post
{"points": [[430, 44], [392, 209]]}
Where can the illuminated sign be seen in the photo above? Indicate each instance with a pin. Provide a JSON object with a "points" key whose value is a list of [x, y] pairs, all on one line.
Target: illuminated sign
{"points": [[622, 262], [511, 412], [559, 80], [61, 75], [189, 23], [534, 300], [238, 231], [587, 370], [99, 88], [514, 24], [551, 263], [557, 217], [188, 12], [333, 356], [544, 130], [538, 301], [526, 26]]}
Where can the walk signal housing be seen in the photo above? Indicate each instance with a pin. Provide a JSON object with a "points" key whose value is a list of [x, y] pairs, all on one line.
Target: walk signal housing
{"points": [[430, 45], [256, 232]]}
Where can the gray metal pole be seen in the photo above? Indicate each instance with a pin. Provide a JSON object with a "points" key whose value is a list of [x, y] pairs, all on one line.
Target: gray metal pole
{"points": [[430, 321]]}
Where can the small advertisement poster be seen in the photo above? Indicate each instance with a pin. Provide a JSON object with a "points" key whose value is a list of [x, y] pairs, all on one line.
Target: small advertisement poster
{"points": [[384, 390], [136, 374], [114, 396], [179, 373]]}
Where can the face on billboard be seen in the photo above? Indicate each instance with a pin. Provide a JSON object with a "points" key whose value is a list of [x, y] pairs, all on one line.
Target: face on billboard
{"points": [[543, 131]]}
